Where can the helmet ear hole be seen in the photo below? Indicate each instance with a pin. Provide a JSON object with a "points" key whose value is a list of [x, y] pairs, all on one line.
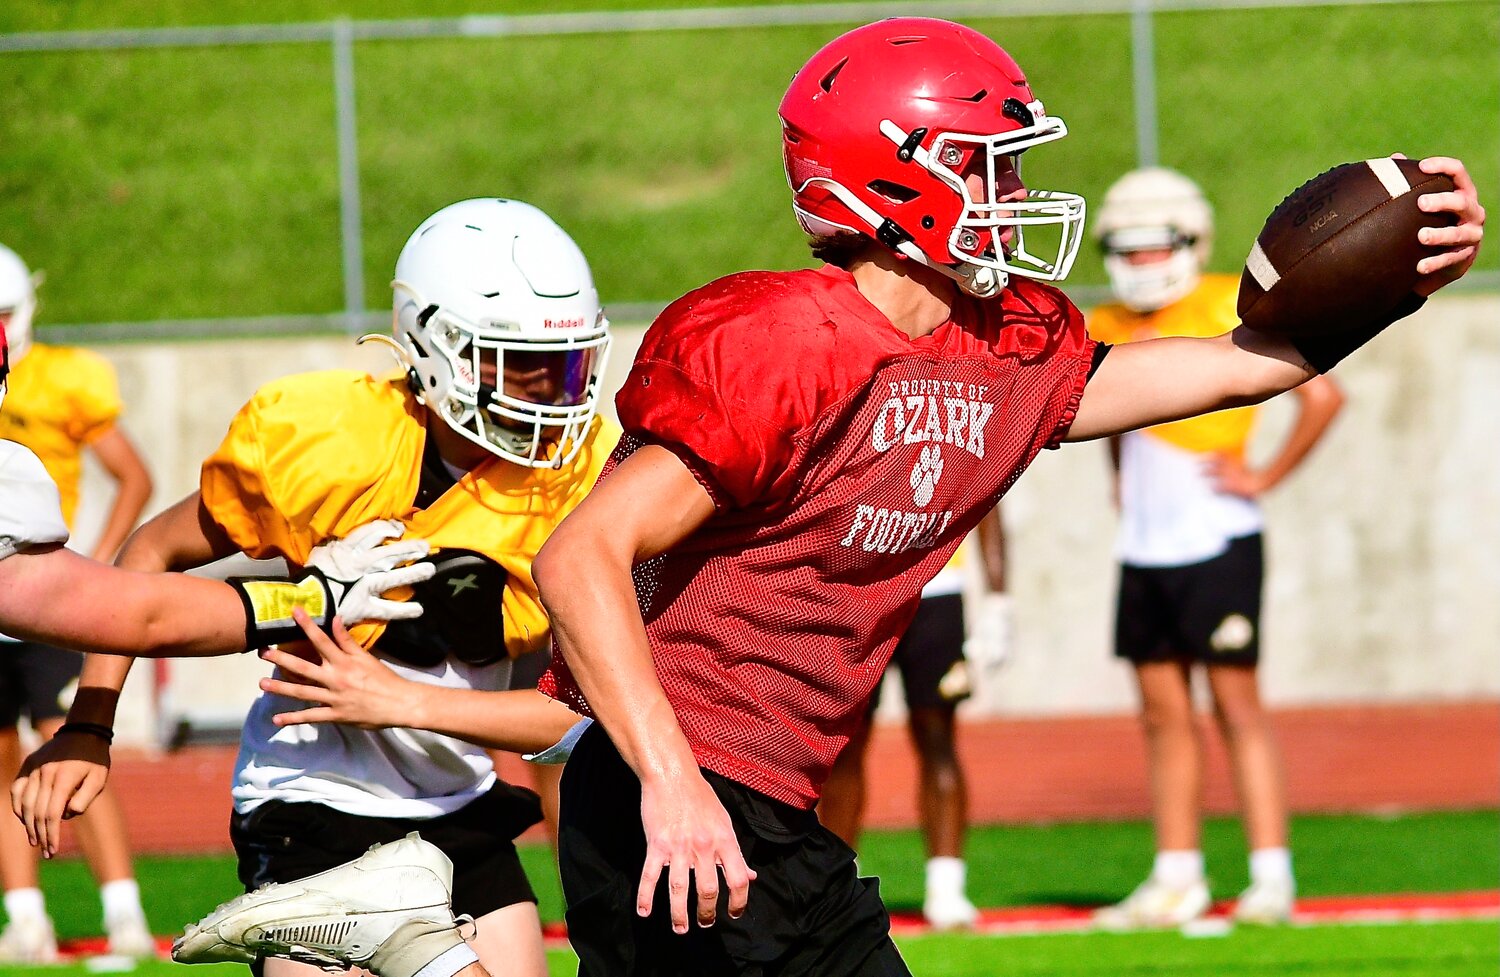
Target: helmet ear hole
{"points": [[894, 192]]}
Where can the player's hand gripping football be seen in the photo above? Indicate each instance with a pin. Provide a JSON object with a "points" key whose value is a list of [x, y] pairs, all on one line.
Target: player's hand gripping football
{"points": [[689, 834], [59, 781], [371, 560], [1462, 239], [346, 685]]}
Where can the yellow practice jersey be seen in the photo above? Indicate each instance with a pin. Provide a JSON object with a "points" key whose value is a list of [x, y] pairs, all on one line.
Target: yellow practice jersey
{"points": [[314, 456], [61, 399], [1209, 310]]}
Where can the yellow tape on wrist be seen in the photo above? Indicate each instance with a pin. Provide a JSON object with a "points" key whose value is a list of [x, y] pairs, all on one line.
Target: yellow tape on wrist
{"points": [[272, 601]]}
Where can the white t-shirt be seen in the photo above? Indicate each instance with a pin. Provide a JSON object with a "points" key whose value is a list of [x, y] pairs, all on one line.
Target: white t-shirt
{"points": [[388, 773], [1170, 512], [30, 509]]}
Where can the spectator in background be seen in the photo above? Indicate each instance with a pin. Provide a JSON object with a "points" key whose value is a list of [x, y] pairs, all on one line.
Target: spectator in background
{"points": [[934, 659], [1191, 561], [61, 401]]}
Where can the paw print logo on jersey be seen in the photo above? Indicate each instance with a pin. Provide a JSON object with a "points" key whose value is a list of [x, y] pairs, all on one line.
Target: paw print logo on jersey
{"points": [[924, 477]]}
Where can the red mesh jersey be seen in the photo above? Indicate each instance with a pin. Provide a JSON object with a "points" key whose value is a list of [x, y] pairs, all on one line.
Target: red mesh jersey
{"points": [[847, 462]]}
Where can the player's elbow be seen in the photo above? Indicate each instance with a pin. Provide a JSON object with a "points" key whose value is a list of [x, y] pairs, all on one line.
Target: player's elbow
{"points": [[561, 559]]}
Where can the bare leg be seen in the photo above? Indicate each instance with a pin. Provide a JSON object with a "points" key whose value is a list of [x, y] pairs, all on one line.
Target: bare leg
{"points": [[842, 809], [18, 860], [1252, 752], [1174, 753], [944, 797]]}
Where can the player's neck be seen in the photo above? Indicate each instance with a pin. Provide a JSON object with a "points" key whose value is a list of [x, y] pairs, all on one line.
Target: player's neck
{"points": [[454, 448], [915, 298]]}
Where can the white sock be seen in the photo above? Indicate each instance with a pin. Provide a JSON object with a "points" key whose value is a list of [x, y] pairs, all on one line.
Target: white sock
{"points": [[946, 876], [25, 904], [1178, 869], [449, 962], [1271, 865], [121, 897]]}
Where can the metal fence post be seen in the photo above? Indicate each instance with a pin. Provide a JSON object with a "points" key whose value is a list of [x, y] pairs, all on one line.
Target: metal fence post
{"points": [[350, 225], [1143, 64]]}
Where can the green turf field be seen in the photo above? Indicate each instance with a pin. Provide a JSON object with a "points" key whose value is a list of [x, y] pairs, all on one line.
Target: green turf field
{"points": [[185, 183], [1078, 864]]}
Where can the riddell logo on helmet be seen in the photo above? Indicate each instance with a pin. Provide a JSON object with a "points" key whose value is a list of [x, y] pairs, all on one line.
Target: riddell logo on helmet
{"points": [[563, 323]]}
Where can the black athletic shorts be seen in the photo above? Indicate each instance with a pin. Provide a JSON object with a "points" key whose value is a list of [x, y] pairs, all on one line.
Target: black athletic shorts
{"points": [[930, 656], [1208, 612], [36, 681], [283, 842], [808, 913]]}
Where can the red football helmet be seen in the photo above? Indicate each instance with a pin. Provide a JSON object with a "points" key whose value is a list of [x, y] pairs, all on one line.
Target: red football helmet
{"points": [[881, 128]]}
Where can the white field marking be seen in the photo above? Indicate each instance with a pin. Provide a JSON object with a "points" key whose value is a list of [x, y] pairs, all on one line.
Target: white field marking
{"points": [[1389, 175], [1261, 269]]}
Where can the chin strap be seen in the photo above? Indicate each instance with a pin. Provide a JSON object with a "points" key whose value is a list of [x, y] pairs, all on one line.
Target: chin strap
{"points": [[978, 281]]}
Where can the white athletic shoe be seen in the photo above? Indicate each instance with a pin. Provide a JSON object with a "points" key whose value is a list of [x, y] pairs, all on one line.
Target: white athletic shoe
{"points": [[387, 911], [952, 911], [129, 936], [28, 940], [1154, 905], [1267, 902]]}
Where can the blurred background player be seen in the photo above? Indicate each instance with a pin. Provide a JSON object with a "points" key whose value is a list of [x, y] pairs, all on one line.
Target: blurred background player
{"points": [[1191, 556], [935, 663], [62, 400], [481, 444]]}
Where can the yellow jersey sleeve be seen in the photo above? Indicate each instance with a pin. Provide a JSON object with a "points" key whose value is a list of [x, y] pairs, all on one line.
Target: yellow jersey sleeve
{"points": [[93, 393], [311, 457]]}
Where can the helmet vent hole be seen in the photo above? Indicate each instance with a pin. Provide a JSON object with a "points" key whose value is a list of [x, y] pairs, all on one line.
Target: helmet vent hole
{"points": [[827, 83], [927, 222], [898, 41], [894, 192], [978, 96]]}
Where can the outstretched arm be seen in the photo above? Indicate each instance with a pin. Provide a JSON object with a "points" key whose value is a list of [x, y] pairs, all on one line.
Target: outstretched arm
{"points": [[584, 576], [351, 686], [1140, 384], [56, 596]]}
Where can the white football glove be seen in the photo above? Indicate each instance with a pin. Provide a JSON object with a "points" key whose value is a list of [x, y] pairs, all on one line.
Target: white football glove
{"points": [[992, 633], [362, 566]]}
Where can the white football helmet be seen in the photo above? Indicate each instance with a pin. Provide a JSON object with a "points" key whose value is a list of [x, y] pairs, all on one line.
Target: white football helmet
{"points": [[1154, 209], [500, 327], [17, 301]]}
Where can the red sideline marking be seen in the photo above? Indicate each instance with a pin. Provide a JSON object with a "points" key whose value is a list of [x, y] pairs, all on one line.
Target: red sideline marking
{"points": [[1399, 908]]}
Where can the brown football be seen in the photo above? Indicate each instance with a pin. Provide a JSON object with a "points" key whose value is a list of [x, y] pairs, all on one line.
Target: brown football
{"points": [[1341, 250]]}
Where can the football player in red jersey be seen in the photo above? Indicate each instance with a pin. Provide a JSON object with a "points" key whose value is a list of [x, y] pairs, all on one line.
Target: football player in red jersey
{"points": [[813, 446]]}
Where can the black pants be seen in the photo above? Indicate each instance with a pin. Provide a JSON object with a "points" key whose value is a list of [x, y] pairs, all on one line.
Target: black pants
{"points": [[808, 913]]}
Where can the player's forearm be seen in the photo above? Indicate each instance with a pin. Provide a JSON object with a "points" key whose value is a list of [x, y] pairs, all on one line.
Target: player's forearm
{"points": [[517, 721], [1161, 380], [130, 501], [596, 623], [1320, 400]]}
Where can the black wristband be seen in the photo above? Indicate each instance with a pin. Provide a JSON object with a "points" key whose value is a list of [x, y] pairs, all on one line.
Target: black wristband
{"points": [[92, 729], [1324, 352], [269, 601]]}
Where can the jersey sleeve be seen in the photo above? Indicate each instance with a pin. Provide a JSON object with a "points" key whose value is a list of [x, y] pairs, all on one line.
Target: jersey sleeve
{"points": [[30, 509], [710, 386], [238, 490], [95, 398]]}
